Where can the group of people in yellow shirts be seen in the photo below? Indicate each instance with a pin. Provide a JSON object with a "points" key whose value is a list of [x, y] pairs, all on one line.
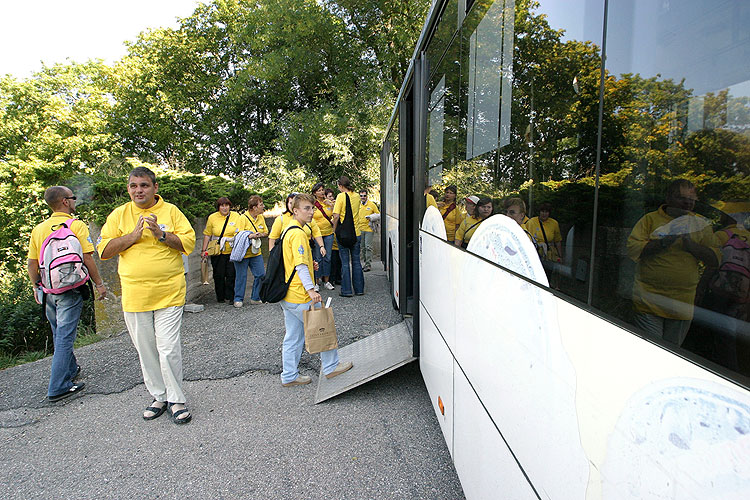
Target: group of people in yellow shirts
{"points": [[229, 229], [461, 224]]}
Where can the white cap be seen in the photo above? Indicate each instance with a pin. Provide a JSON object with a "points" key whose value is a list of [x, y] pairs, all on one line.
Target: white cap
{"points": [[473, 199]]}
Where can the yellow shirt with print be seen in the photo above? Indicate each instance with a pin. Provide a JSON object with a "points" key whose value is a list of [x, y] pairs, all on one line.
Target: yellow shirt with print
{"points": [[665, 282], [255, 225], [152, 275], [368, 208], [325, 227], [44, 229], [452, 220], [296, 249], [467, 228], [282, 222], [340, 208], [215, 223]]}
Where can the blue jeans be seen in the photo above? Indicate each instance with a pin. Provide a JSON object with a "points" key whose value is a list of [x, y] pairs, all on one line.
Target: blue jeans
{"points": [[63, 312], [356, 276], [240, 280], [294, 342], [325, 262]]}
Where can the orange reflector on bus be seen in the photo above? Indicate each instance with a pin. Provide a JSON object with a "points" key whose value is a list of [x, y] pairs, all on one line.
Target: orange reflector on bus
{"points": [[440, 405]]}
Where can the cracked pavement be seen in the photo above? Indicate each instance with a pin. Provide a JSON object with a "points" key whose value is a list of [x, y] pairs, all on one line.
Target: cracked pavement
{"points": [[249, 438]]}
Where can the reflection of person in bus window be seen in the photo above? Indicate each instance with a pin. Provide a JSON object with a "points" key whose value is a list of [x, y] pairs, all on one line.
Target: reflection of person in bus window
{"points": [[470, 202], [546, 231], [668, 245], [515, 208], [450, 211], [469, 225], [429, 197]]}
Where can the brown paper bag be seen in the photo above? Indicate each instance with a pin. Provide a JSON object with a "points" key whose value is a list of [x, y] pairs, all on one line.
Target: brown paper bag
{"points": [[204, 271], [320, 329]]}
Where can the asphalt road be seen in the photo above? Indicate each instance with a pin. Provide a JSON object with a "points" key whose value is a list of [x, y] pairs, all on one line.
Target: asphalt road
{"points": [[249, 438]]}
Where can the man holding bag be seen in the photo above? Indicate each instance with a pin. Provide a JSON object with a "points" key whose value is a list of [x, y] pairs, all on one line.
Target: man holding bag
{"points": [[300, 296]]}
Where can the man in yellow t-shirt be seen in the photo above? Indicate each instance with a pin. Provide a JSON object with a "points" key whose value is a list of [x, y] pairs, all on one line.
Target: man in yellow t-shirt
{"points": [[354, 279], [366, 223], [63, 310], [149, 236], [667, 246], [300, 296]]}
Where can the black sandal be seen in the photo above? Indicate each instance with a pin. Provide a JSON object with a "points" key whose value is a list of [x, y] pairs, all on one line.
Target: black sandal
{"points": [[155, 410], [176, 414]]}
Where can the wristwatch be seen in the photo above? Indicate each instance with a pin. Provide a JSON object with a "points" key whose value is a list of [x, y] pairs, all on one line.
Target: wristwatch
{"points": [[163, 237]]}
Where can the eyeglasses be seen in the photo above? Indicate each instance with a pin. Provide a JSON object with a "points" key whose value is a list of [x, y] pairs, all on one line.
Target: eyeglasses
{"points": [[71, 198]]}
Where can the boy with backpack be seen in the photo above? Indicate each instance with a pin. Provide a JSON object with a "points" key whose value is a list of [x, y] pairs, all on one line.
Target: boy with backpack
{"points": [[300, 295], [60, 263]]}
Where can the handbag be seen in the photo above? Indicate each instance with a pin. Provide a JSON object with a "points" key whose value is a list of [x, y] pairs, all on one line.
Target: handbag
{"points": [[214, 247], [320, 329], [346, 234]]}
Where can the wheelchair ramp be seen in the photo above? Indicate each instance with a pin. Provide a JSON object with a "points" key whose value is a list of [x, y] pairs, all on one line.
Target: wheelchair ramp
{"points": [[372, 356]]}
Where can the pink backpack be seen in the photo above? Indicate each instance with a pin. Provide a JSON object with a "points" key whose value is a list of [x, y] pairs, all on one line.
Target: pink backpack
{"points": [[61, 260], [732, 281]]}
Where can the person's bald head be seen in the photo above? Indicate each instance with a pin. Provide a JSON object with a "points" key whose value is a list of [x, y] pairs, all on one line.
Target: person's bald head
{"points": [[56, 197]]}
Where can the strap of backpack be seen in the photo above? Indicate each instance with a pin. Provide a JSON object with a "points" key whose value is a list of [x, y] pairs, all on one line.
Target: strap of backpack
{"points": [[281, 240], [544, 234], [449, 210], [322, 211], [349, 212], [224, 228], [251, 222]]}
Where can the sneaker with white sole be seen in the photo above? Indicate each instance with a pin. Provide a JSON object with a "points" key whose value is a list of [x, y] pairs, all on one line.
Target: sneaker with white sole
{"points": [[340, 368], [329, 285], [255, 302], [237, 304], [300, 380], [316, 288]]}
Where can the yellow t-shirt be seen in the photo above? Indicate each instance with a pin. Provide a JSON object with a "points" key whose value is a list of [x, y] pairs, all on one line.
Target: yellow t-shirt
{"points": [[368, 208], [451, 221], [665, 282], [296, 249], [430, 200], [325, 227], [551, 229], [340, 208], [282, 222], [256, 225], [467, 228], [44, 229], [215, 223], [151, 273]]}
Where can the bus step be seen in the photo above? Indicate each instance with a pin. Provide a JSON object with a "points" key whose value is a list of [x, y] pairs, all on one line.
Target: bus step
{"points": [[372, 356]]}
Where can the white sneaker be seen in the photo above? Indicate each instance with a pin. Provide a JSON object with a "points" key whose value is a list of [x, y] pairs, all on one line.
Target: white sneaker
{"points": [[238, 304], [317, 288], [329, 285]]}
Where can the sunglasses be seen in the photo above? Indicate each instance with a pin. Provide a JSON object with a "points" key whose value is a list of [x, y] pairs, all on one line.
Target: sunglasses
{"points": [[71, 198]]}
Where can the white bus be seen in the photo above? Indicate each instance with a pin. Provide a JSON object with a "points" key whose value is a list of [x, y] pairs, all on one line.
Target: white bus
{"points": [[599, 347]]}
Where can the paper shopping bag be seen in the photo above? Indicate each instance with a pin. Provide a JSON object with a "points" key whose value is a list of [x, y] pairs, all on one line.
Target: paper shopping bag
{"points": [[204, 271], [320, 330]]}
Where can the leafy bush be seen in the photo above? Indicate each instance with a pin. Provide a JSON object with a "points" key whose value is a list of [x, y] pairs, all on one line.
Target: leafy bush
{"points": [[22, 328]]}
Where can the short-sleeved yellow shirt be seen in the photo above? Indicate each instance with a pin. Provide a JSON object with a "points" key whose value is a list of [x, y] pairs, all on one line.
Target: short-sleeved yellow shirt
{"points": [[452, 220], [340, 208], [467, 228], [215, 223], [368, 208], [44, 229], [152, 275], [296, 249], [323, 223], [256, 225]]}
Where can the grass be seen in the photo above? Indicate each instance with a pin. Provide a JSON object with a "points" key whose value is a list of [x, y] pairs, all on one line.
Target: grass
{"points": [[85, 337]]}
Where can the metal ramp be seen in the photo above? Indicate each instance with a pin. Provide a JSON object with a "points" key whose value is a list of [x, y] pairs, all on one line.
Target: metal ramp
{"points": [[372, 356]]}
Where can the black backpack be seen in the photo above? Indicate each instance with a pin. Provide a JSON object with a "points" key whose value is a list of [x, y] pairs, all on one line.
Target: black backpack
{"points": [[346, 235], [273, 288]]}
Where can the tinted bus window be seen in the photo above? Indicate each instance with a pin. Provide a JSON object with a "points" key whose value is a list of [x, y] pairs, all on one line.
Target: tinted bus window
{"points": [[674, 206]]}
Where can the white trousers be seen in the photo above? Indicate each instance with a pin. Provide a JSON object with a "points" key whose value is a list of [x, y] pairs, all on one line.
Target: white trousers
{"points": [[156, 337]]}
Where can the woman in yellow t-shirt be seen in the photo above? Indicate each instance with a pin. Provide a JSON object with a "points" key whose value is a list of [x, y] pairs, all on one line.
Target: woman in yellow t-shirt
{"points": [[300, 297], [282, 221], [252, 220], [322, 217], [354, 280], [222, 225], [482, 210], [450, 211]]}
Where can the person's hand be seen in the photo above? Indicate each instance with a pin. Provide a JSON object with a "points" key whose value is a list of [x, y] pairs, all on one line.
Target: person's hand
{"points": [[314, 296], [667, 241], [322, 252], [101, 291], [204, 254], [138, 230], [316, 266], [153, 226]]}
